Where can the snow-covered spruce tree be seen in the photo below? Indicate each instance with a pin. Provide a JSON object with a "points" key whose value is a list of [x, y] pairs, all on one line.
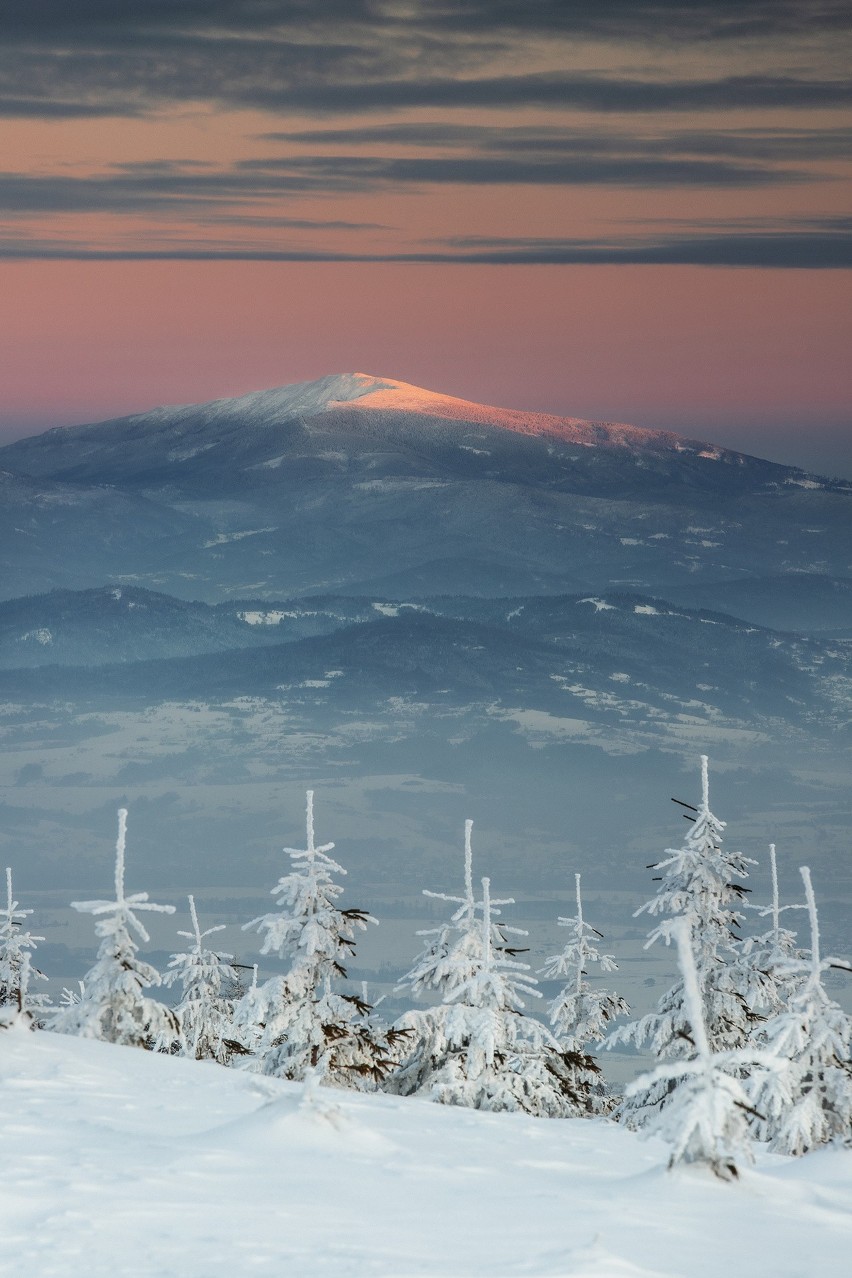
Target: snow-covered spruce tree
{"points": [[16, 946], [450, 957], [478, 1047], [580, 1013], [809, 1102], [300, 1021], [20, 1014], [698, 882], [246, 1027], [113, 1005], [205, 1011], [444, 963], [501, 1058], [766, 958], [706, 1118]]}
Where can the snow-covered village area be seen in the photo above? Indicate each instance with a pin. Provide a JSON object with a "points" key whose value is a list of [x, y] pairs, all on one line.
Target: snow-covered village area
{"points": [[199, 1120]]}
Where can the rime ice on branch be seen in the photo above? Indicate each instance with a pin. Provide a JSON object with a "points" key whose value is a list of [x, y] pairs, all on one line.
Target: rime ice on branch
{"points": [[16, 970], [113, 1005], [810, 1101], [299, 1020], [205, 1011], [698, 883]]}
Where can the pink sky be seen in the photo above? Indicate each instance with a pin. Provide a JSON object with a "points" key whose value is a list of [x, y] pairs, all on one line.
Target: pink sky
{"points": [[597, 147]]}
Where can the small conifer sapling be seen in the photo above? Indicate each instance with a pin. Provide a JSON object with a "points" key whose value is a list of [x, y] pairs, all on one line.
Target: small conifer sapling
{"points": [[205, 1011], [113, 1003], [580, 1013], [700, 883], [809, 1101], [706, 1118], [16, 971], [478, 1047], [302, 1021], [766, 957]]}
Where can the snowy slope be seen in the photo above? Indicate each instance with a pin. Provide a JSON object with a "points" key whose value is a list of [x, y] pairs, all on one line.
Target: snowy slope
{"points": [[119, 1164]]}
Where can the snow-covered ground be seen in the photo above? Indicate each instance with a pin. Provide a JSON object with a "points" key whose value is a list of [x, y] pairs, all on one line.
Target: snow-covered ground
{"points": [[120, 1163]]}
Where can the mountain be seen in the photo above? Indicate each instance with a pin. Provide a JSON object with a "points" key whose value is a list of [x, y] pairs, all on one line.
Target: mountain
{"points": [[116, 624], [357, 483], [54, 534], [429, 610], [625, 662], [817, 602], [361, 415]]}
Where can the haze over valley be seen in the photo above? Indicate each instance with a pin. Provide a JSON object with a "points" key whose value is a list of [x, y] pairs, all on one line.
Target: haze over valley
{"points": [[427, 610]]}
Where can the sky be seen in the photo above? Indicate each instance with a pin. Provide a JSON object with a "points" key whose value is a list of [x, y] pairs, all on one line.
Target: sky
{"points": [[629, 210]]}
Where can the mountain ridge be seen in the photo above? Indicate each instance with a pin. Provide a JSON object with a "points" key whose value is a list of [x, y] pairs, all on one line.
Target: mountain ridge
{"points": [[354, 482], [350, 398]]}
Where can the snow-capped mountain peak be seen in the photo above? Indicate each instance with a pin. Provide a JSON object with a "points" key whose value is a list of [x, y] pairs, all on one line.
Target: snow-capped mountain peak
{"points": [[180, 432]]}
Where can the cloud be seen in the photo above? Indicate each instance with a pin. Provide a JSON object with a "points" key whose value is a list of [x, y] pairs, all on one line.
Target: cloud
{"points": [[361, 173], [89, 91], [771, 144], [543, 157], [827, 247], [649, 19], [792, 249], [29, 108], [579, 92], [117, 21], [96, 57], [255, 187]]}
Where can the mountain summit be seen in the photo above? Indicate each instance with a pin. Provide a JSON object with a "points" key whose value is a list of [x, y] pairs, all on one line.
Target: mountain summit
{"points": [[355, 481], [350, 411]]}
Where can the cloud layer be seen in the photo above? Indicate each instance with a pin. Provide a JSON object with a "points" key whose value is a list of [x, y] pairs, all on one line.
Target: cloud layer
{"points": [[369, 100]]}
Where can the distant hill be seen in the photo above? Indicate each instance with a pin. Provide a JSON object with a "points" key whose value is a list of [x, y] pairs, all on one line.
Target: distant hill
{"points": [[626, 659]]}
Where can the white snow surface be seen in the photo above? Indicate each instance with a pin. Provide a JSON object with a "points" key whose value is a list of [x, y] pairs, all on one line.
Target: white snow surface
{"points": [[123, 1164]]}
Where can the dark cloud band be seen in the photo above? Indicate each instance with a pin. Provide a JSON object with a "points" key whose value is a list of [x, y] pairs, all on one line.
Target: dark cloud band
{"points": [[808, 250], [257, 186], [115, 21], [84, 94]]}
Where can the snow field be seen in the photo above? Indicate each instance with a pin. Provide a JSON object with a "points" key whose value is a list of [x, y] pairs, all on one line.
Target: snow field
{"points": [[121, 1163]]}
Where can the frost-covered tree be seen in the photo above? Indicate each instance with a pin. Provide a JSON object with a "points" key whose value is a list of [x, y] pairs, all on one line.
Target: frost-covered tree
{"points": [[444, 964], [478, 1047], [501, 1058], [301, 1021], [765, 958], [809, 1102], [113, 1005], [580, 1013], [246, 1028], [449, 959], [205, 1011], [20, 1014], [706, 1118], [698, 883], [16, 946]]}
